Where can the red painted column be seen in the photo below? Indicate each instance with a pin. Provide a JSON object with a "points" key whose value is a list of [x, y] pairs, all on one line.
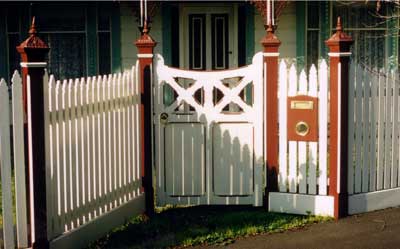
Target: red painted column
{"points": [[145, 45], [271, 46], [339, 55], [33, 52]]}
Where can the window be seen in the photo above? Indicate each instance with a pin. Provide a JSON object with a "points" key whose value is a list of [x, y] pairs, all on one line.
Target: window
{"points": [[368, 31], [374, 45], [313, 33], [79, 36]]}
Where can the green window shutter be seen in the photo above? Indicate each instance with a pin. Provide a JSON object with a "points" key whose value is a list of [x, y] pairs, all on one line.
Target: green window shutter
{"points": [[300, 33], [116, 39], [249, 13], [3, 45], [91, 41]]}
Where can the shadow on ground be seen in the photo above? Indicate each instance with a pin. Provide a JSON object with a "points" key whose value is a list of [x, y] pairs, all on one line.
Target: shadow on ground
{"points": [[185, 226]]}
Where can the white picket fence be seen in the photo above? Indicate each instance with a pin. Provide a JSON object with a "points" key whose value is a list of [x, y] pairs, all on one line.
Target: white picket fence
{"points": [[14, 111], [303, 168], [93, 156], [374, 166]]}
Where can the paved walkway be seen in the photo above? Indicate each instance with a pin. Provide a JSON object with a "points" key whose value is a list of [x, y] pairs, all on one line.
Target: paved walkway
{"points": [[380, 229]]}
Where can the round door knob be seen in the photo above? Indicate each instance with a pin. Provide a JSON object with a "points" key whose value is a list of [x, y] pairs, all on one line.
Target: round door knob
{"points": [[164, 118]]}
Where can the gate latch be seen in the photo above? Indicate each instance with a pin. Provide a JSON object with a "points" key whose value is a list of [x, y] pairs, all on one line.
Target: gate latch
{"points": [[164, 118]]}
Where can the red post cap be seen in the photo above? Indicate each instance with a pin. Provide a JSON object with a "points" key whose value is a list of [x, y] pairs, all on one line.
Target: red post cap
{"points": [[33, 49], [339, 41]]}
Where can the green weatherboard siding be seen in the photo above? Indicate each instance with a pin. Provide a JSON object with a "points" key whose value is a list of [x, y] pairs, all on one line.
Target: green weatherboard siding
{"points": [[91, 41], [300, 33], [392, 42], [115, 39]]}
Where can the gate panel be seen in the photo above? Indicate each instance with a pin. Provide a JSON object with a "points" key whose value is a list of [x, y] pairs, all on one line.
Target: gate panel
{"points": [[185, 159], [233, 160], [208, 137]]}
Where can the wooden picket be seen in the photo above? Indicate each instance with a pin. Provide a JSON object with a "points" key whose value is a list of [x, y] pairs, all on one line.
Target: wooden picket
{"points": [[10, 240], [93, 149], [303, 181], [373, 123], [301, 175]]}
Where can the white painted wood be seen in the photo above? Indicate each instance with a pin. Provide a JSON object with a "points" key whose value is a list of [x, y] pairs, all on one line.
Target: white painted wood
{"points": [[208, 114], [301, 204], [374, 117], [388, 130], [19, 161], [313, 146], [359, 128], [366, 132], [59, 226], [282, 179], [323, 128], [395, 129], [5, 163], [351, 126], [302, 157], [381, 124], [233, 160], [366, 202], [73, 152], [99, 227], [292, 175]]}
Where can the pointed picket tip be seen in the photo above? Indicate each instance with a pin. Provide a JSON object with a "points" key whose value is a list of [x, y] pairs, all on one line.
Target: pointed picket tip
{"points": [[323, 65], [282, 65], [3, 84], [303, 76], [16, 78]]}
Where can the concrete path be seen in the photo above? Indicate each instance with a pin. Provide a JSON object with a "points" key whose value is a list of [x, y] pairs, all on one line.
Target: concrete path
{"points": [[380, 229]]}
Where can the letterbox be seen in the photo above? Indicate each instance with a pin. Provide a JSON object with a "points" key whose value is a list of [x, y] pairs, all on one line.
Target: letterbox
{"points": [[302, 118]]}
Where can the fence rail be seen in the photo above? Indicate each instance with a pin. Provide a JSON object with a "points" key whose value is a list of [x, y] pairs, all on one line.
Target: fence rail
{"points": [[92, 148]]}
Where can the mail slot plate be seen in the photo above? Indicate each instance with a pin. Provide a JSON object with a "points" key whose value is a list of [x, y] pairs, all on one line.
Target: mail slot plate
{"points": [[301, 105]]}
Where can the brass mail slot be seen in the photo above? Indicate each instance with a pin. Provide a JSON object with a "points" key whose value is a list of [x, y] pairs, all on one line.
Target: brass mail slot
{"points": [[303, 105]]}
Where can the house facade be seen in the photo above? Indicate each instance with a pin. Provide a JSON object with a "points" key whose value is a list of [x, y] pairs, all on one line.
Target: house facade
{"points": [[96, 37]]}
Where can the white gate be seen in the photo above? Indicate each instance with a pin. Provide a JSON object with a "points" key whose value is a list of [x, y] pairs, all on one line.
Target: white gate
{"points": [[209, 135]]}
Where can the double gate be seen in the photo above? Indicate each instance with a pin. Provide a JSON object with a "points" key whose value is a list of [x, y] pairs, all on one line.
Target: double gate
{"points": [[209, 134]]}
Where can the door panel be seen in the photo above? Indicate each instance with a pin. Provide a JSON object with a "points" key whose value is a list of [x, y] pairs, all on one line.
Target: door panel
{"points": [[185, 159], [233, 159]]}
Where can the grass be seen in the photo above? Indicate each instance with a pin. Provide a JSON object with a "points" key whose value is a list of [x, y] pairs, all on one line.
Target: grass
{"points": [[181, 227]]}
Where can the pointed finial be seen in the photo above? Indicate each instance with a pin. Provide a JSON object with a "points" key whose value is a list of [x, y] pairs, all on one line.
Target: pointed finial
{"points": [[32, 30], [339, 24]]}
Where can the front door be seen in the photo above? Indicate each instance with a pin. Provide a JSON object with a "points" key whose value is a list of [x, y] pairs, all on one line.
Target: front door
{"points": [[208, 37]]}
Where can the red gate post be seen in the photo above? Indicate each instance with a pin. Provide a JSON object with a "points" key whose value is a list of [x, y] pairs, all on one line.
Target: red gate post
{"points": [[271, 46], [339, 55], [33, 52], [145, 45]]}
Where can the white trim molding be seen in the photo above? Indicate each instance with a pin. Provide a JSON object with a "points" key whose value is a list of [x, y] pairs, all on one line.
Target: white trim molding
{"points": [[270, 54], [33, 64], [339, 54], [145, 55]]}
